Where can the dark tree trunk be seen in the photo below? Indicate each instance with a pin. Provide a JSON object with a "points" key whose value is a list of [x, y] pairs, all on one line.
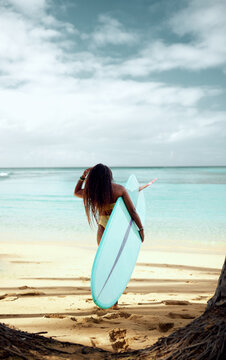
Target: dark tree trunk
{"points": [[18, 345], [203, 339], [219, 297]]}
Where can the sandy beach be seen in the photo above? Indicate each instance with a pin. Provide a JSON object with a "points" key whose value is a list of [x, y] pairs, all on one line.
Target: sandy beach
{"points": [[45, 288]]}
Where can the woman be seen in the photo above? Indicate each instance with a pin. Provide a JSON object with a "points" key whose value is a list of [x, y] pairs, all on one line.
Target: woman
{"points": [[100, 194]]}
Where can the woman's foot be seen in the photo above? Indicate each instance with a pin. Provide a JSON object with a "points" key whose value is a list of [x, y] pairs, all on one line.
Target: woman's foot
{"points": [[115, 306]]}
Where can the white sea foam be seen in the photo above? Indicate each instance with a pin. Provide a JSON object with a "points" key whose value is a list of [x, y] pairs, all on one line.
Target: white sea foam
{"points": [[4, 174]]}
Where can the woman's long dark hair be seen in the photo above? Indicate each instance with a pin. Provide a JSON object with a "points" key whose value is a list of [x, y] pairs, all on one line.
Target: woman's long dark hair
{"points": [[97, 191]]}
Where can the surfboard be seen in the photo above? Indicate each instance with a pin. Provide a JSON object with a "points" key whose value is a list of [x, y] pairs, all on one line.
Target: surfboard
{"points": [[118, 250]]}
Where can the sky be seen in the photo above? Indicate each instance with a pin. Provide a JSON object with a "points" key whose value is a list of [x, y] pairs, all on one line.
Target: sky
{"points": [[122, 82]]}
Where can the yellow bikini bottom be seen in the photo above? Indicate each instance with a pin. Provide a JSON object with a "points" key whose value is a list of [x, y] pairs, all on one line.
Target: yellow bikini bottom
{"points": [[103, 220]]}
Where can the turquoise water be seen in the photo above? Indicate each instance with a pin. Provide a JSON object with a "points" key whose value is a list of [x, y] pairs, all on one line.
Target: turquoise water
{"points": [[185, 206]]}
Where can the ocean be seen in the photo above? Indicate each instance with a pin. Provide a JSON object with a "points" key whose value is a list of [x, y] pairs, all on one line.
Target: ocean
{"points": [[185, 207]]}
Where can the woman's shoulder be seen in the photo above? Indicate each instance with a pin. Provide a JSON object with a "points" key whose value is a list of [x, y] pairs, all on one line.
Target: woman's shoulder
{"points": [[118, 190]]}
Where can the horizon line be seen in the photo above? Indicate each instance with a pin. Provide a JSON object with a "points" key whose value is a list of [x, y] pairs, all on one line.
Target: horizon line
{"points": [[113, 166]]}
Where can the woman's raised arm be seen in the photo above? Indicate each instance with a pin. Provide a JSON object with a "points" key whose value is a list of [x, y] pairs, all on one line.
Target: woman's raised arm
{"points": [[78, 188]]}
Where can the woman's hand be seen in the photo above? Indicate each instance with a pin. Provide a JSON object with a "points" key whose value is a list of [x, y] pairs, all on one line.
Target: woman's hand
{"points": [[142, 234], [86, 172]]}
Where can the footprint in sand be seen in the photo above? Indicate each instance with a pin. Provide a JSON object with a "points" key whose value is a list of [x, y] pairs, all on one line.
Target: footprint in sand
{"points": [[25, 293], [116, 334], [176, 302], [200, 297], [117, 315], [25, 287], [165, 326], [88, 321], [118, 341], [151, 327], [54, 316], [175, 315], [99, 311]]}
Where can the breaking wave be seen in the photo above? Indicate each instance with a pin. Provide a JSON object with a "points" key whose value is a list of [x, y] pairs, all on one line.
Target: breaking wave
{"points": [[4, 174]]}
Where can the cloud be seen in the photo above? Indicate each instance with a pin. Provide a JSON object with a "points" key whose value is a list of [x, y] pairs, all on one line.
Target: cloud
{"points": [[161, 57], [39, 54], [204, 22], [100, 121], [111, 31], [200, 18], [64, 105], [29, 7]]}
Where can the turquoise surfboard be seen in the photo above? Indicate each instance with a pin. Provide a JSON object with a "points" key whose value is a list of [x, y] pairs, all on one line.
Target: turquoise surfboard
{"points": [[118, 250]]}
